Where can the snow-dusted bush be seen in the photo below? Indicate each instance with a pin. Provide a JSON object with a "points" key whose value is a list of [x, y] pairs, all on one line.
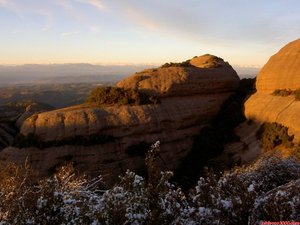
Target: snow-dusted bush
{"points": [[61, 199], [14, 185], [229, 197], [258, 192], [138, 201], [279, 204]]}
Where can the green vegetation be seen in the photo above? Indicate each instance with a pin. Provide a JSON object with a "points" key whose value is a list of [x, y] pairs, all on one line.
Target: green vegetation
{"points": [[297, 94], [172, 64], [273, 135], [114, 95], [287, 92], [31, 140], [282, 92]]}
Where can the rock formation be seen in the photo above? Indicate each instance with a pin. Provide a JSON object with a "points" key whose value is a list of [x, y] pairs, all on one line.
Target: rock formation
{"points": [[281, 72], [190, 97], [216, 76], [12, 116]]}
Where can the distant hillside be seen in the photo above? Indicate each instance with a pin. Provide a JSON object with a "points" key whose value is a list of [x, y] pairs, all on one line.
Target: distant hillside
{"points": [[246, 71], [56, 95], [64, 73]]}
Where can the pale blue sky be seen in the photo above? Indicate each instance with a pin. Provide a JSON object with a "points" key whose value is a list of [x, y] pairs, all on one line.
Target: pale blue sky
{"points": [[243, 32]]}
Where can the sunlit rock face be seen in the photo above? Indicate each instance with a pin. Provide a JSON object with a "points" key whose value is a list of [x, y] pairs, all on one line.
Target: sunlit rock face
{"points": [[281, 72], [206, 74], [190, 97]]}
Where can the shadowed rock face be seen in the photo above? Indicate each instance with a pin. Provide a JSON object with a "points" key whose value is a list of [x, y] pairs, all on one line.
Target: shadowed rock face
{"points": [[190, 98], [282, 71], [8, 116], [12, 117]]}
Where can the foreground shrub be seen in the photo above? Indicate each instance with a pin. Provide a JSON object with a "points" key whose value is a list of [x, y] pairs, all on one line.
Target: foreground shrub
{"points": [[14, 185], [61, 199], [280, 204], [230, 198], [114, 95], [274, 134]]}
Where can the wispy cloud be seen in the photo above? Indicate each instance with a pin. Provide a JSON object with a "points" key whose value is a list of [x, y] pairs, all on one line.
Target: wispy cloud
{"points": [[140, 19], [96, 3], [12, 6], [65, 34]]}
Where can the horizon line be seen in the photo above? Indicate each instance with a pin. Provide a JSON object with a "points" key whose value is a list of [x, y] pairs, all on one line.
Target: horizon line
{"points": [[110, 64]]}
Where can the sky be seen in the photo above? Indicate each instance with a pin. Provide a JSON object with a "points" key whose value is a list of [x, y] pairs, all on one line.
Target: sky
{"points": [[242, 32]]}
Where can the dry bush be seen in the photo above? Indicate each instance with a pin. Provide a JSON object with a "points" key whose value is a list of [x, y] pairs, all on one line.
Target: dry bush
{"points": [[282, 92], [181, 64], [280, 204], [273, 135], [297, 94], [229, 198], [114, 95]]}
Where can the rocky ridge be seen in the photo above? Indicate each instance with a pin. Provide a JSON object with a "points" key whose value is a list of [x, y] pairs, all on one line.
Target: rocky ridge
{"points": [[189, 98], [281, 72]]}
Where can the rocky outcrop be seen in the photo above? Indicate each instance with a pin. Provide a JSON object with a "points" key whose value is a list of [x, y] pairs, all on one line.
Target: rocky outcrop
{"points": [[189, 98], [206, 75], [12, 116], [282, 71]]}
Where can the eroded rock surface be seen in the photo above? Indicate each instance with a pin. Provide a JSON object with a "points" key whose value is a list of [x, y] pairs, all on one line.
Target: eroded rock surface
{"points": [[189, 98], [206, 75], [282, 71]]}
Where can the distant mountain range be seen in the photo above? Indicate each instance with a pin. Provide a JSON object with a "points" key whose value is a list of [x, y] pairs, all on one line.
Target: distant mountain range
{"points": [[79, 73], [246, 71], [64, 73]]}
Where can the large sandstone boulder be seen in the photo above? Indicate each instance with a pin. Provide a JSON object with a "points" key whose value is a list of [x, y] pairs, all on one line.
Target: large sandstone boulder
{"points": [[282, 71], [206, 74], [190, 98]]}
